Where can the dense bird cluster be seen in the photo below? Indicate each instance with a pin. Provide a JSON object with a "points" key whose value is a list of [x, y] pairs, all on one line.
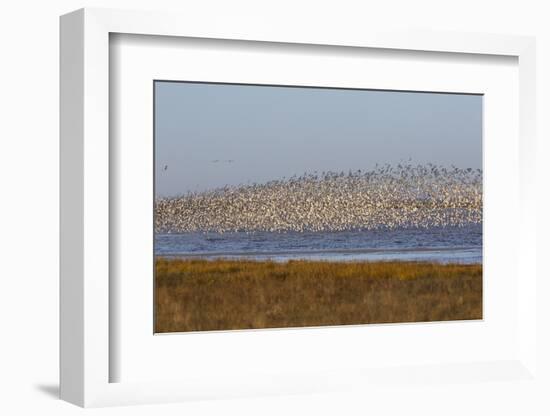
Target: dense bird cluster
{"points": [[386, 197]]}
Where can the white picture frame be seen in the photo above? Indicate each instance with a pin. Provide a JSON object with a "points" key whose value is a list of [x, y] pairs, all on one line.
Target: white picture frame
{"points": [[86, 356]]}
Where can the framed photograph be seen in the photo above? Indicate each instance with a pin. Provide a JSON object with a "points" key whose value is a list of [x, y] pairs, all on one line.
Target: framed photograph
{"points": [[261, 212], [287, 206]]}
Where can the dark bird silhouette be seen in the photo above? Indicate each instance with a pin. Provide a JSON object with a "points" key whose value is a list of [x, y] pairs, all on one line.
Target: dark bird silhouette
{"points": [[222, 161]]}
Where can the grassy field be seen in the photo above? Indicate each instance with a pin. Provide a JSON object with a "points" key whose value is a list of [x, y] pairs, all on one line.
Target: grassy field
{"points": [[202, 295]]}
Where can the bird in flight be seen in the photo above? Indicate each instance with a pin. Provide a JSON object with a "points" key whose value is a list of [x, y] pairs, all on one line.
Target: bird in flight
{"points": [[165, 167]]}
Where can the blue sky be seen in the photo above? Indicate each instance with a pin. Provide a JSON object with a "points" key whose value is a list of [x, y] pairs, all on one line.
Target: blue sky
{"points": [[210, 135]]}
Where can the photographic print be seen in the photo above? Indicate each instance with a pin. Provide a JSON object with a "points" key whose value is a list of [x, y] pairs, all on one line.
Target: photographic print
{"points": [[290, 206]]}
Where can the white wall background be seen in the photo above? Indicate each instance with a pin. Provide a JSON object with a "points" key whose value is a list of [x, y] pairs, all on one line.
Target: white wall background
{"points": [[29, 185]]}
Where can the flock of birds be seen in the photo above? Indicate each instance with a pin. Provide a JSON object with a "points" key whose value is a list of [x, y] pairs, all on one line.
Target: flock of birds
{"points": [[405, 195]]}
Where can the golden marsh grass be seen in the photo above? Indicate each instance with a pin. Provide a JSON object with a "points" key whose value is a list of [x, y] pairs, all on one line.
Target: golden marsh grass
{"points": [[206, 295]]}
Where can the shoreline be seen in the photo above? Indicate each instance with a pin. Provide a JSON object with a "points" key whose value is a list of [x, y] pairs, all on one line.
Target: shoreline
{"points": [[463, 255], [320, 251]]}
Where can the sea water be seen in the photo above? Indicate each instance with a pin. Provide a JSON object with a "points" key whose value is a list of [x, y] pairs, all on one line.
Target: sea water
{"points": [[450, 244]]}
